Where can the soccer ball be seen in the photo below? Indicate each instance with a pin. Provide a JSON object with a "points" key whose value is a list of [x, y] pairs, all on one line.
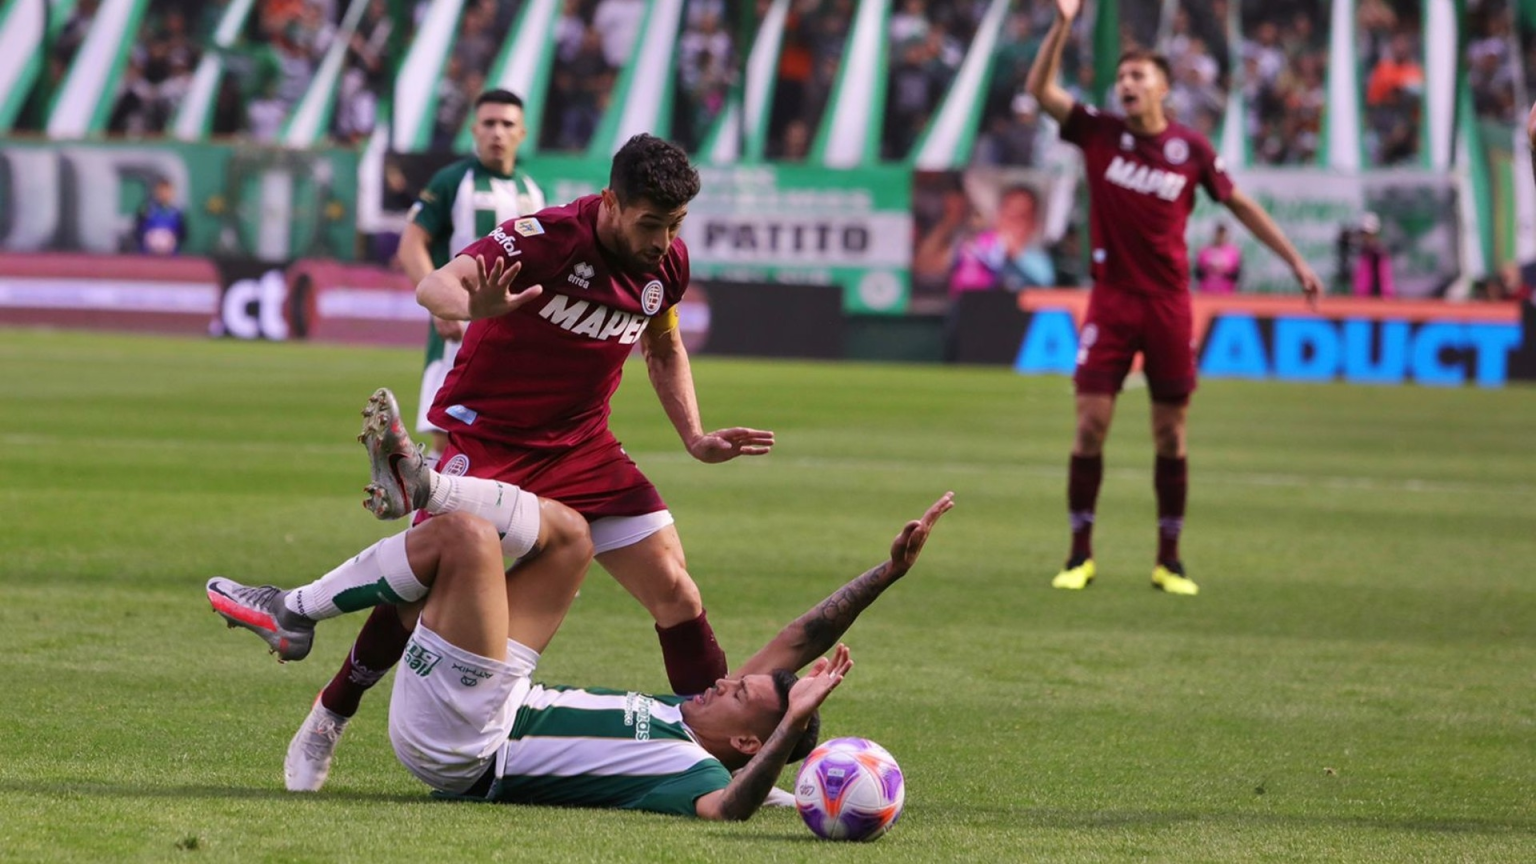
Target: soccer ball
{"points": [[849, 789]]}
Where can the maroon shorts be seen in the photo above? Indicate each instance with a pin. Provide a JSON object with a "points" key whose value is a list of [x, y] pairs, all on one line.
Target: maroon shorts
{"points": [[1160, 326], [595, 478]]}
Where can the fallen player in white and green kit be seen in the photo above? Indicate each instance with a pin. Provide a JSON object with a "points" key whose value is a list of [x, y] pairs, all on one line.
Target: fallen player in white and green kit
{"points": [[465, 716]]}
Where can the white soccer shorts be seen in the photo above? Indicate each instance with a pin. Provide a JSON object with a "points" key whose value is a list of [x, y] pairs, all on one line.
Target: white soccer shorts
{"points": [[616, 532], [452, 710], [432, 378]]}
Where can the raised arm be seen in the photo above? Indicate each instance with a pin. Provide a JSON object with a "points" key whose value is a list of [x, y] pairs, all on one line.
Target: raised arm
{"points": [[810, 635], [464, 290], [748, 789], [1256, 220], [1044, 72], [666, 361]]}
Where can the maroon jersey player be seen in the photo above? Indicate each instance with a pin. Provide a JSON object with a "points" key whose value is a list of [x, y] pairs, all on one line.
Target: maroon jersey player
{"points": [[1142, 174], [556, 302]]}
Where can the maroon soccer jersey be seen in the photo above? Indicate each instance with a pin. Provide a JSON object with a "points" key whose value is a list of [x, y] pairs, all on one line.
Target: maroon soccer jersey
{"points": [[1140, 191], [542, 375]]}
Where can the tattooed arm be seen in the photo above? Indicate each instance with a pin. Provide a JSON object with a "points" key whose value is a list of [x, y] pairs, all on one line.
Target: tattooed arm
{"points": [[747, 790], [810, 635]]}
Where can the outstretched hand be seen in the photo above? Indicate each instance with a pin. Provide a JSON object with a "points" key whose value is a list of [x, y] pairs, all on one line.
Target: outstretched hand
{"points": [[909, 543], [817, 684], [490, 293], [726, 444], [1068, 9], [1311, 286]]}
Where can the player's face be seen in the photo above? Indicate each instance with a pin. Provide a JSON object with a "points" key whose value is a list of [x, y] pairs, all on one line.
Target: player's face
{"points": [[748, 705], [498, 131], [1140, 86], [644, 231]]}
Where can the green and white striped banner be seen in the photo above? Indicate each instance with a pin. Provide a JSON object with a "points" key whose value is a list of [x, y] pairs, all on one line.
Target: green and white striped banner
{"points": [[1442, 50], [22, 27], [642, 99], [1233, 144], [194, 117], [850, 130], [416, 84], [761, 75], [311, 120], [84, 104], [947, 142], [1342, 147], [523, 68]]}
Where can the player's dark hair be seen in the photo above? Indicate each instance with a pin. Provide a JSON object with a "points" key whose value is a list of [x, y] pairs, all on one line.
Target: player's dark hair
{"points": [[648, 168], [1156, 59], [783, 680], [499, 97]]}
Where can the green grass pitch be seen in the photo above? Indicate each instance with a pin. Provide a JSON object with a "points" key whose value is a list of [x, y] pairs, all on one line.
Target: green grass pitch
{"points": [[1355, 682]]}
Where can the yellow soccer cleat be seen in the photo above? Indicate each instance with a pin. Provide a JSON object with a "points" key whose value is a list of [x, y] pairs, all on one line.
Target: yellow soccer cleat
{"points": [[1077, 575], [1171, 578]]}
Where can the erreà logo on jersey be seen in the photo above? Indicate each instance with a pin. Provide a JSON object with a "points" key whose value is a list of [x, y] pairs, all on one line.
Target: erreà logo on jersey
{"points": [[594, 321], [1166, 185]]}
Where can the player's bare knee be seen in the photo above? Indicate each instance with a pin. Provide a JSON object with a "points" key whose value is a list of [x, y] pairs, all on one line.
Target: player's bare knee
{"points": [[1091, 431], [565, 529], [463, 535]]}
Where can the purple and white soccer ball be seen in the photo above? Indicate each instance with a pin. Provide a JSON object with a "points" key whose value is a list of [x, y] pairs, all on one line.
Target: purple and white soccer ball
{"points": [[850, 789]]}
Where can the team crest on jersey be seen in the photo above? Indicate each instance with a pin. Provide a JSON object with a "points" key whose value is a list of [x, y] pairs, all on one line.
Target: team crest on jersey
{"points": [[529, 227], [650, 297], [457, 466], [1176, 151], [1126, 141]]}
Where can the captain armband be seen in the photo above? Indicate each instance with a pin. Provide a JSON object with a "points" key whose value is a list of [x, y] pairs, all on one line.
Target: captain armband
{"points": [[663, 323]]}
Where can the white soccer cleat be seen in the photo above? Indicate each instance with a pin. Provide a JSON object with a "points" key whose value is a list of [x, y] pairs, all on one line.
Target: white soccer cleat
{"points": [[309, 753]]}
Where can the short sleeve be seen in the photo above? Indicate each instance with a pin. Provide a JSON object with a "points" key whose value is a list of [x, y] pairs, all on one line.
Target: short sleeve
{"points": [[526, 241], [679, 794], [1214, 177], [432, 211], [1082, 122]]}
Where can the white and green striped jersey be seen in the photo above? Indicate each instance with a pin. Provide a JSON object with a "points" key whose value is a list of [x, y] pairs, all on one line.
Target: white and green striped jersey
{"points": [[464, 202], [605, 748]]}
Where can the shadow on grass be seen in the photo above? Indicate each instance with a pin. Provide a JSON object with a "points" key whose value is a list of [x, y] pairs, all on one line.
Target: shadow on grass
{"points": [[1073, 820], [118, 790]]}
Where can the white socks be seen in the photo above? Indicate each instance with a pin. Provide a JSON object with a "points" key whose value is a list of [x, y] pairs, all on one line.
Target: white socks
{"points": [[379, 574], [513, 511]]}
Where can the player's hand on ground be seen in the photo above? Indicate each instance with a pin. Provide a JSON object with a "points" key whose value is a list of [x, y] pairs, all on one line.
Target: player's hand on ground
{"points": [[1068, 9], [491, 295], [818, 682], [909, 543], [724, 445], [448, 329], [1311, 286]]}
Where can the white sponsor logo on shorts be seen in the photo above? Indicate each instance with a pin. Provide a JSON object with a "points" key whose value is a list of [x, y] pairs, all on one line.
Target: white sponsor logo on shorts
{"points": [[458, 466], [1090, 336]]}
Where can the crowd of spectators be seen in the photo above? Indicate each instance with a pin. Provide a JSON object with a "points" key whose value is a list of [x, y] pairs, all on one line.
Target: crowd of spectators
{"points": [[593, 39], [1284, 54], [1390, 50], [927, 44], [708, 68], [1491, 60]]}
